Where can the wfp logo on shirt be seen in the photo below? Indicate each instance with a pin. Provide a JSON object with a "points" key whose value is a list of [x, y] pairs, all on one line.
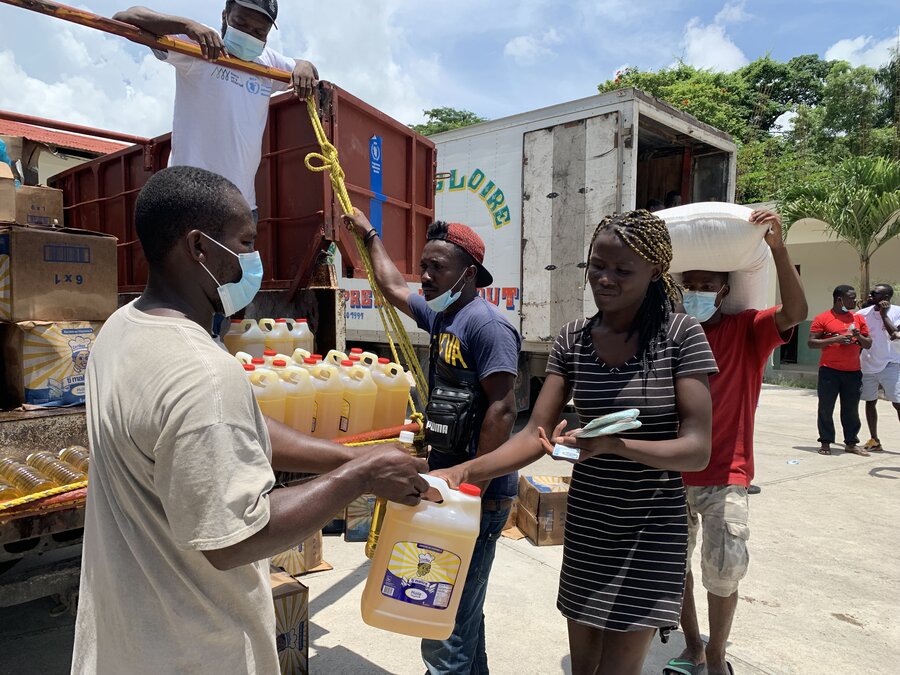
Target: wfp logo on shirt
{"points": [[252, 85]]}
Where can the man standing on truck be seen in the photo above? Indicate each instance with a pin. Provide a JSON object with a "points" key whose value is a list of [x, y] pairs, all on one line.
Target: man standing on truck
{"points": [[183, 514], [471, 409], [220, 113], [717, 496]]}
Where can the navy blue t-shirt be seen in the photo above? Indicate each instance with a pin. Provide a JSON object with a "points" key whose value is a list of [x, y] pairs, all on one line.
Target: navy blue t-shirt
{"points": [[479, 338]]}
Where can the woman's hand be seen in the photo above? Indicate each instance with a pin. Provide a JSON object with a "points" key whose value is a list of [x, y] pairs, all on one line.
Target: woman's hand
{"points": [[589, 447]]}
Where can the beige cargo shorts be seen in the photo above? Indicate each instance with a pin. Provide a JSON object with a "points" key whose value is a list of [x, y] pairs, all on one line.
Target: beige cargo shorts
{"points": [[723, 511]]}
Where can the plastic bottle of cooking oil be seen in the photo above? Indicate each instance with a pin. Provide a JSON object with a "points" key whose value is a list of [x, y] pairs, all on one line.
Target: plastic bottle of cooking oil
{"points": [[54, 468], [329, 397], [358, 406], [335, 358], [300, 395], [277, 336], [300, 355], [302, 335], [76, 455], [393, 394], [243, 358], [421, 562], [26, 479], [269, 392], [8, 491], [369, 360], [250, 339], [407, 438]]}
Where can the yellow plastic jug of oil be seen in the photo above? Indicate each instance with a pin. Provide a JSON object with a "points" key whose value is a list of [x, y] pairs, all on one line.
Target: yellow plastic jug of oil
{"points": [[299, 395], [420, 566], [407, 439], [360, 394], [393, 394], [329, 397], [269, 392], [277, 336], [244, 335], [303, 336]]}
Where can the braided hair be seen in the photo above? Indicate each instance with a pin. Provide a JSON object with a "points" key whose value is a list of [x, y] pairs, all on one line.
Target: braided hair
{"points": [[648, 236]]}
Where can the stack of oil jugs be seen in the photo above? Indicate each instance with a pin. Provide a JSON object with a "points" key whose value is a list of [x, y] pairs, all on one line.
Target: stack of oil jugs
{"points": [[327, 397], [42, 471]]}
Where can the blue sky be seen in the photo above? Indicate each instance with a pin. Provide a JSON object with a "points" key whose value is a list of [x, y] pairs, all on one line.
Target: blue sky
{"points": [[402, 56]]}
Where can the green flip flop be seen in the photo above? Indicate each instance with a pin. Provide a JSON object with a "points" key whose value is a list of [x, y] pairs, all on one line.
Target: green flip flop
{"points": [[678, 666]]}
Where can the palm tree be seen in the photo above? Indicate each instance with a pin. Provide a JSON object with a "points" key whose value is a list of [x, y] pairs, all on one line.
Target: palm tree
{"points": [[859, 201]]}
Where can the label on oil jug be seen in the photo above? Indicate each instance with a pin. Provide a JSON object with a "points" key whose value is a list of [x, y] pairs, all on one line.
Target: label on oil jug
{"points": [[421, 574], [345, 415]]}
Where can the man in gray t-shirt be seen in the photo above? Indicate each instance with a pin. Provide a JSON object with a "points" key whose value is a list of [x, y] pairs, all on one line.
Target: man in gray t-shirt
{"points": [[181, 514]]}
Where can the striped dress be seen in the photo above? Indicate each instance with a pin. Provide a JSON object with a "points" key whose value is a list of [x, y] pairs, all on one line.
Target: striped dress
{"points": [[626, 527]]}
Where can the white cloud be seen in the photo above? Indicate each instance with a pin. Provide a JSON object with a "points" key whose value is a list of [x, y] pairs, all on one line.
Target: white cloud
{"points": [[862, 51], [732, 12], [785, 121], [710, 47], [527, 49]]}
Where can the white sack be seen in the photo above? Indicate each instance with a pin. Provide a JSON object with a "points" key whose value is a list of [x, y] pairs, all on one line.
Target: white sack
{"points": [[719, 237]]}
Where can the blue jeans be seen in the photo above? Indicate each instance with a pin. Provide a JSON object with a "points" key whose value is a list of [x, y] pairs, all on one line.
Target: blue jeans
{"points": [[463, 653]]}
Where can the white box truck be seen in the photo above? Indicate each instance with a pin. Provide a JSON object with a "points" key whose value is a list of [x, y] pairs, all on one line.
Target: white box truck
{"points": [[535, 185]]}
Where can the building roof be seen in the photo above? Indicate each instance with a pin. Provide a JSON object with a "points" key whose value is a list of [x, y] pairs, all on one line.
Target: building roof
{"points": [[61, 139]]}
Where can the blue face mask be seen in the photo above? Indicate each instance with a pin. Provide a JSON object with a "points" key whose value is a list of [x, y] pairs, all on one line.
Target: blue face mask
{"points": [[237, 295], [445, 299], [699, 304], [242, 45]]}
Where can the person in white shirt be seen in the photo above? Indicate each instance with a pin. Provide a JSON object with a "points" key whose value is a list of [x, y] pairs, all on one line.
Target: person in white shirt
{"points": [[880, 363], [221, 113], [182, 512]]}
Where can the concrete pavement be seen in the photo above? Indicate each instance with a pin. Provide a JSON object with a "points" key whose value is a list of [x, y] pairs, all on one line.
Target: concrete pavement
{"points": [[820, 597]]}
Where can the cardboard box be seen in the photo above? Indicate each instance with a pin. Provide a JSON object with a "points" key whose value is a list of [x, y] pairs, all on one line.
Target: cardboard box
{"points": [[542, 508], [291, 599], [302, 559], [39, 206], [56, 275], [44, 362], [359, 518], [7, 194]]}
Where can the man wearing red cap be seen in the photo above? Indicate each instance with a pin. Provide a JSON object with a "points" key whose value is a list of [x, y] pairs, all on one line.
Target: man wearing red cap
{"points": [[471, 408]]}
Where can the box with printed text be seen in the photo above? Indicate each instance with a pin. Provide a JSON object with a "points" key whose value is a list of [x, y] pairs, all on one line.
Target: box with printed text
{"points": [[541, 511], [56, 275], [44, 362], [291, 599]]}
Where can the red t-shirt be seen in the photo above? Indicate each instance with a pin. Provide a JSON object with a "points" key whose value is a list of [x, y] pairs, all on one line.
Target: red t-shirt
{"points": [[741, 344], [831, 323]]}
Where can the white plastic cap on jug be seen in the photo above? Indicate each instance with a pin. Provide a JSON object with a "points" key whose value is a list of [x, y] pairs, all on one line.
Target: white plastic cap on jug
{"points": [[407, 438], [421, 563]]}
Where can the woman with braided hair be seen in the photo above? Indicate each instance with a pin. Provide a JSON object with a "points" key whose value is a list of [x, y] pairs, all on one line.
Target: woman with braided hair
{"points": [[626, 534]]}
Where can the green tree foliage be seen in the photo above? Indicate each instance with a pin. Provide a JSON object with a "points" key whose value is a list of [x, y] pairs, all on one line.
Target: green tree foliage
{"points": [[840, 112], [445, 119], [859, 200]]}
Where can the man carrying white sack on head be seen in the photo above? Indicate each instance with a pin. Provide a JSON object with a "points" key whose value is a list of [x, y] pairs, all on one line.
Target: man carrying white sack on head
{"points": [[717, 496]]}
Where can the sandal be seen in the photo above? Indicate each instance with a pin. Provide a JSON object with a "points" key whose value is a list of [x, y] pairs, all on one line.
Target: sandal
{"points": [[824, 450], [678, 666], [856, 450]]}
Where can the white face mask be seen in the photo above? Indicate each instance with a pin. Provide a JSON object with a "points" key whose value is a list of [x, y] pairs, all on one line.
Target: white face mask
{"points": [[238, 294], [242, 45], [447, 298]]}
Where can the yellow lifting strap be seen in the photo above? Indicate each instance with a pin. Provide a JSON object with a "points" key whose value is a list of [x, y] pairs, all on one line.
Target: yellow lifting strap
{"points": [[393, 327]]}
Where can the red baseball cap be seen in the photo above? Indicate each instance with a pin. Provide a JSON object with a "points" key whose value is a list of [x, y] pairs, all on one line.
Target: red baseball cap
{"points": [[466, 238]]}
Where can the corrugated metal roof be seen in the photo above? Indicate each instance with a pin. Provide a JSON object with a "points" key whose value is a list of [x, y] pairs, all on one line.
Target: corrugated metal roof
{"points": [[60, 139]]}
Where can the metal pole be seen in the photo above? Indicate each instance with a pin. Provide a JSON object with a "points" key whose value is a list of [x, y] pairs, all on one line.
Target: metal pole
{"points": [[129, 32], [73, 128]]}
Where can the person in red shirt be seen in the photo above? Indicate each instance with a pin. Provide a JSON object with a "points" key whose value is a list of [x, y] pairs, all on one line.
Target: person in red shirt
{"points": [[841, 335], [741, 344]]}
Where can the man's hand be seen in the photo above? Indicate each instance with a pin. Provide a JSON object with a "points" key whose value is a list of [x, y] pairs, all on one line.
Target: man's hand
{"points": [[775, 235], [304, 80], [357, 222], [208, 38], [394, 474], [884, 306]]}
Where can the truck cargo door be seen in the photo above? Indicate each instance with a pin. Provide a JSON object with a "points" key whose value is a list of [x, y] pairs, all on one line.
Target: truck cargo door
{"points": [[570, 182]]}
